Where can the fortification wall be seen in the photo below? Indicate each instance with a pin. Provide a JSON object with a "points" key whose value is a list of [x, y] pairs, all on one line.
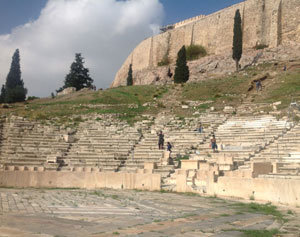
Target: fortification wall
{"points": [[188, 21], [269, 22]]}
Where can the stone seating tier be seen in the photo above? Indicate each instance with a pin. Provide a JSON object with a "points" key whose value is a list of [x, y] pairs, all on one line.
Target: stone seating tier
{"points": [[102, 143]]}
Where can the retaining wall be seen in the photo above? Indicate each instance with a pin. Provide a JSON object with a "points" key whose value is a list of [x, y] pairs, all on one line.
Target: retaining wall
{"points": [[88, 180]]}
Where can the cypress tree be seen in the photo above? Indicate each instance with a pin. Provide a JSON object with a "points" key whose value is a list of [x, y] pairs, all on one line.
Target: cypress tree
{"points": [[129, 77], [78, 76], [3, 94], [182, 70], [237, 48], [14, 86]]}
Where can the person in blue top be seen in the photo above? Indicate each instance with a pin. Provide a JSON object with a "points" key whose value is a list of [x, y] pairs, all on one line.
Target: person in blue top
{"points": [[169, 147]]}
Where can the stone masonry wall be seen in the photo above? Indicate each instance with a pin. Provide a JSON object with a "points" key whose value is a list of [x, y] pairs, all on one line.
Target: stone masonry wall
{"points": [[269, 22]]}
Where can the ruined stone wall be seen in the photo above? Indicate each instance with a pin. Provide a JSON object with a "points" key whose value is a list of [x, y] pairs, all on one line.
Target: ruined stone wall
{"points": [[88, 180], [274, 190], [269, 22]]}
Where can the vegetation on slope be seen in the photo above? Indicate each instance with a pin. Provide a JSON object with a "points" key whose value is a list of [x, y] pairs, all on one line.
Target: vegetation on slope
{"points": [[194, 52], [129, 103], [232, 90]]}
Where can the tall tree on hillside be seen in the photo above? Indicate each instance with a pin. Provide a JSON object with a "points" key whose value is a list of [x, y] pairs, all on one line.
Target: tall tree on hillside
{"points": [[237, 48], [3, 94], [14, 86], [78, 76], [182, 73], [129, 77]]}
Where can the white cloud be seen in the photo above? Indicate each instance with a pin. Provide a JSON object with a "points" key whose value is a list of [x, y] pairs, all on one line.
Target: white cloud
{"points": [[104, 31]]}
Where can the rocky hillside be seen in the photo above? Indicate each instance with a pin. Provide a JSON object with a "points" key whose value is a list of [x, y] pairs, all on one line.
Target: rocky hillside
{"points": [[269, 24], [234, 93]]}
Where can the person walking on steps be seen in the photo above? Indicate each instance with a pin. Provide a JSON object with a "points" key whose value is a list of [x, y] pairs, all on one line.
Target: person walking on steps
{"points": [[161, 140], [169, 147]]}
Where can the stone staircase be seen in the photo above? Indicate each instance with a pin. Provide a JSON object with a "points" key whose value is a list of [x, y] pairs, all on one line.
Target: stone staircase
{"points": [[243, 137], [101, 146], [284, 152], [242, 141], [112, 145], [145, 151], [30, 144], [187, 141]]}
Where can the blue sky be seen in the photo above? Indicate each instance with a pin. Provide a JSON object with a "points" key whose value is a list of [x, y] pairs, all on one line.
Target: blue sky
{"points": [[18, 12], [178, 10]]}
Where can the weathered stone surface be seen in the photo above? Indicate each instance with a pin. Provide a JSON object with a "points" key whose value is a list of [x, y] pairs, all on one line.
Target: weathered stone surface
{"points": [[67, 91], [229, 109], [128, 213], [268, 22]]}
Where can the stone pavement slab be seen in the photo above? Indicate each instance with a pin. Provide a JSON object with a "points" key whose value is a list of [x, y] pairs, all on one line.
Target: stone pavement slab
{"points": [[63, 212]]}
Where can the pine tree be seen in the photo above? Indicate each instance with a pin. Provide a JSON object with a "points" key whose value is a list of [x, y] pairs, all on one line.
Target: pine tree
{"points": [[2, 95], [79, 75], [129, 77], [182, 70], [237, 48], [14, 86]]}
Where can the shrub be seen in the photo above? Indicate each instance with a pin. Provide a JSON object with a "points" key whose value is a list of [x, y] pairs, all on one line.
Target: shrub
{"points": [[164, 62], [32, 98], [180, 157], [160, 105], [261, 46], [194, 52]]}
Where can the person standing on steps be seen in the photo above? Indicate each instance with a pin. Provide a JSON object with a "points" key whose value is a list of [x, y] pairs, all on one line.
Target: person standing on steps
{"points": [[200, 129], [213, 144], [161, 140], [169, 147]]}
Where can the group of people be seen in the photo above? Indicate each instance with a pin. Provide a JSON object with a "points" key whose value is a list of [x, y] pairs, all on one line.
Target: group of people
{"points": [[161, 140]]}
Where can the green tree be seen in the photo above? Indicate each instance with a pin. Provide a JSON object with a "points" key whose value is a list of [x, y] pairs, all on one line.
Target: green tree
{"points": [[182, 70], [129, 77], [2, 95], [14, 86], [237, 48], [79, 75]]}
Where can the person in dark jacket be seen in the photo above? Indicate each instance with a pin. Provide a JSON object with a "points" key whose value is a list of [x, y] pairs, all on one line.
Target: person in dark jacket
{"points": [[169, 147], [161, 140]]}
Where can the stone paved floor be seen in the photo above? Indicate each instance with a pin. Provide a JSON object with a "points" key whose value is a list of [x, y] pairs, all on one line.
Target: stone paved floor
{"points": [[46, 212]]}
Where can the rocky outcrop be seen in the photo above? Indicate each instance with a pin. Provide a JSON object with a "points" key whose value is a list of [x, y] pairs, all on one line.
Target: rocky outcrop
{"points": [[265, 22], [213, 66], [67, 91]]}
